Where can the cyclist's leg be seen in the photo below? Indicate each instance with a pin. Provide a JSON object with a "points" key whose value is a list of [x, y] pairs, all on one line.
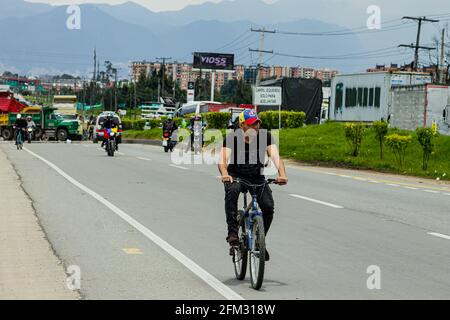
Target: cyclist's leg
{"points": [[232, 192], [267, 206]]}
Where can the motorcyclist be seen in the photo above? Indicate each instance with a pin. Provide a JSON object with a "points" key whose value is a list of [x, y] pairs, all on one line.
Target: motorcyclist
{"points": [[109, 124], [30, 125], [169, 125], [20, 124]]}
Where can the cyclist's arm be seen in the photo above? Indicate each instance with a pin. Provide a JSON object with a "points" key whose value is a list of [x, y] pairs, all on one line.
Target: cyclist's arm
{"points": [[274, 154], [223, 164]]}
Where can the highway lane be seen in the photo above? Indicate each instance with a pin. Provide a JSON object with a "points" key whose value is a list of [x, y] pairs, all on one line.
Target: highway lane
{"points": [[328, 229]]}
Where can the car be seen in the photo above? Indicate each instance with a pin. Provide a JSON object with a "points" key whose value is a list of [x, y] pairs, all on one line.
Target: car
{"points": [[98, 134]]}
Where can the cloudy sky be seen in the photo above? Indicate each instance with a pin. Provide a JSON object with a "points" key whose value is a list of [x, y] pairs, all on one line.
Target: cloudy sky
{"points": [[155, 5]]}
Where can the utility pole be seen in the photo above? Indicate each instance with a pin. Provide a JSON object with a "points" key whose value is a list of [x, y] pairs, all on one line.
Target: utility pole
{"points": [[442, 62], [163, 74], [261, 51], [417, 46], [94, 78]]}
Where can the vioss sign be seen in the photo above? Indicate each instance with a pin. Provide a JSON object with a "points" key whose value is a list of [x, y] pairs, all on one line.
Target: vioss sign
{"points": [[267, 96], [213, 61]]}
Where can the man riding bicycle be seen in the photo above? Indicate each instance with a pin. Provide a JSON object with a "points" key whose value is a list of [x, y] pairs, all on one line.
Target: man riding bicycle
{"points": [[20, 125], [243, 156]]}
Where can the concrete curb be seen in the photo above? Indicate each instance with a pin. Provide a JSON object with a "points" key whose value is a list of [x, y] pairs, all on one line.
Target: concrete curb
{"points": [[142, 141]]}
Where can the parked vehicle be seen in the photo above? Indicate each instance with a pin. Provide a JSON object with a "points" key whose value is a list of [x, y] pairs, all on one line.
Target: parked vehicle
{"points": [[48, 124]]}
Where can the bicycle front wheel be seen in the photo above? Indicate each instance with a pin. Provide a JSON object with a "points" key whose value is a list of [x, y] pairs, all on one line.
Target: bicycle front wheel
{"points": [[240, 253], [257, 253]]}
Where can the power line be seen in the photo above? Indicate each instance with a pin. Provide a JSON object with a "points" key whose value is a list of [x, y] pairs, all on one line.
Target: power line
{"points": [[417, 47]]}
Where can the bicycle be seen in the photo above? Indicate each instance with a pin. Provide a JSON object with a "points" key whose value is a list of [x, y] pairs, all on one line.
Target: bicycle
{"points": [[251, 234], [19, 139]]}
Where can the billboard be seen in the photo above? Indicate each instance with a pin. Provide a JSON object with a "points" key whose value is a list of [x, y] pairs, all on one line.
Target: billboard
{"points": [[213, 61]]}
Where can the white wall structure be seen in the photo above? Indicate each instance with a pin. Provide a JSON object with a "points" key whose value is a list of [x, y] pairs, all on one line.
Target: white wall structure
{"points": [[420, 106], [366, 97]]}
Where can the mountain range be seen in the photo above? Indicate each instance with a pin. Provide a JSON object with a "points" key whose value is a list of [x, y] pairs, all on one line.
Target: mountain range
{"points": [[35, 39]]}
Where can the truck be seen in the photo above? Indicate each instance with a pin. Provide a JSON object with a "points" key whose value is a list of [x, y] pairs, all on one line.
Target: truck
{"points": [[66, 105], [48, 124]]}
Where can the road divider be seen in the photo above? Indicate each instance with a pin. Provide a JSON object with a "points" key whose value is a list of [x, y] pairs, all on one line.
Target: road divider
{"points": [[209, 279], [317, 201]]}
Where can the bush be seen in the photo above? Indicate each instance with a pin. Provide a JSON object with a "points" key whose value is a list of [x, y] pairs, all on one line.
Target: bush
{"points": [[217, 120], [289, 119], [354, 133], [133, 124], [426, 137], [398, 144], [381, 130]]}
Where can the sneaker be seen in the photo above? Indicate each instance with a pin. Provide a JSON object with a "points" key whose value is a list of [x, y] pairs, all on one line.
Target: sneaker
{"points": [[233, 239]]}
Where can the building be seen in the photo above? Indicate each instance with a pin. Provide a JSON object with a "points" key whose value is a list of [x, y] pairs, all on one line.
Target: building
{"points": [[419, 106], [366, 97], [326, 75]]}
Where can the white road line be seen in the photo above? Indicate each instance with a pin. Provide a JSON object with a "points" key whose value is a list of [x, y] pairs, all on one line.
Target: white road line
{"points": [[360, 179], [145, 159], [447, 194], [443, 236], [188, 263], [317, 201], [373, 181], [411, 188], [179, 167], [393, 185], [431, 191]]}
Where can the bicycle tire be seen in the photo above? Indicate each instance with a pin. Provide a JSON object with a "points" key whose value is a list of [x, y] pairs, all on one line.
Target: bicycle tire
{"points": [[240, 254], [257, 253]]}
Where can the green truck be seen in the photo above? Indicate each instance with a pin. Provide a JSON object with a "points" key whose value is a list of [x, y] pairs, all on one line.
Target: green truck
{"points": [[48, 125]]}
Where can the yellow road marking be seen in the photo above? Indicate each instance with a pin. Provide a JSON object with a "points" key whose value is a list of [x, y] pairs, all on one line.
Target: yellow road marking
{"points": [[133, 251], [376, 180]]}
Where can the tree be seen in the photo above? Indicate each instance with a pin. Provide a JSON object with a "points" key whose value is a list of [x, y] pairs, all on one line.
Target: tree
{"points": [[381, 129], [236, 91], [425, 136]]}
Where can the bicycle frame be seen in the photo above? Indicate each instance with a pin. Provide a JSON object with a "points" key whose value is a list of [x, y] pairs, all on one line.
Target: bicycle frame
{"points": [[251, 210]]}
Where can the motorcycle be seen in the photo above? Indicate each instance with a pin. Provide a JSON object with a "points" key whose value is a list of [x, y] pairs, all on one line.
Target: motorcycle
{"points": [[168, 143], [110, 136], [30, 134]]}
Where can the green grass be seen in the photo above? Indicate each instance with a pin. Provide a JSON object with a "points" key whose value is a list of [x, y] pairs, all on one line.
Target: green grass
{"points": [[154, 134], [326, 145]]}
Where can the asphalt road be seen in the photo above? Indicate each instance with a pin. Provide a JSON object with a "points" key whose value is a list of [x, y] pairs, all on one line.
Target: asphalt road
{"points": [[141, 227]]}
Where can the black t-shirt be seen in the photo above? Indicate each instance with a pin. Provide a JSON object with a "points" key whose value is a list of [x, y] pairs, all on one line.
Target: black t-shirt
{"points": [[21, 123], [247, 159]]}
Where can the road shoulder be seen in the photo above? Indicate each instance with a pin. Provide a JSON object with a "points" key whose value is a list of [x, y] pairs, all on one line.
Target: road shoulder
{"points": [[29, 269]]}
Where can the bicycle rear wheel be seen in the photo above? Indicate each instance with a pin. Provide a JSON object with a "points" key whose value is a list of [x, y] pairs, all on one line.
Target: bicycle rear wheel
{"points": [[257, 253], [240, 253]]}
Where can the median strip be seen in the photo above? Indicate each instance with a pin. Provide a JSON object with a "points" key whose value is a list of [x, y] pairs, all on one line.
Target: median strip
{"points": [[317, 201]]}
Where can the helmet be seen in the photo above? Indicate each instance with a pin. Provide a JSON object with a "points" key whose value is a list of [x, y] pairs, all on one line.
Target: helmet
{"points": [[19, 116], [29, 118], [170, 117]]}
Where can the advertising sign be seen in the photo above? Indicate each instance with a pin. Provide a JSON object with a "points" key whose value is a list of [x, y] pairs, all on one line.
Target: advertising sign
{"points": [[213, 61]]}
